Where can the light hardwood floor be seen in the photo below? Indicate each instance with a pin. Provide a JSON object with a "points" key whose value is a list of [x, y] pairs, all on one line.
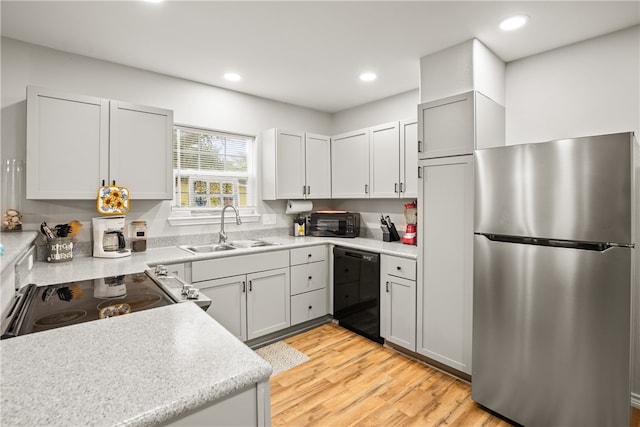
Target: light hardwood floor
{"points": [[351, 381]]}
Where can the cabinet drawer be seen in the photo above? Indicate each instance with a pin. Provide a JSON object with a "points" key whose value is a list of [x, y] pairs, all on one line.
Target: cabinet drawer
{"points": [[308, 254], [309, 277], [399, 267], [309, 305], [235, 265]]}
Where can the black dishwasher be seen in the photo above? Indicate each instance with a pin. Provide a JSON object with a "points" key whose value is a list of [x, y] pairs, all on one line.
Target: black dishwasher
{"points": [[356, 291]]}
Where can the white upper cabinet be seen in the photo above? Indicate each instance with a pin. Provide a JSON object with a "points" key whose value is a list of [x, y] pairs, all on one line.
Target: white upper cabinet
{"points": [[459, 124], [67, 145], [391, 171], [295, 165], [140, 150], [350, 165], [75, 143], [384, 161], [318, 166]]}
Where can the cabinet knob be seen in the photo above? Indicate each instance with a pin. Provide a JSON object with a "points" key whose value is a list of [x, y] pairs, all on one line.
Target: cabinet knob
{"points": [[310, 277], [399, 268], [309, 255], [310, 307]]}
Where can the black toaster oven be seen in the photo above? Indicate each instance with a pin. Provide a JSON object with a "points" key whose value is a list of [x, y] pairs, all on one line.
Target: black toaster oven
{"points": [[334, 224]]}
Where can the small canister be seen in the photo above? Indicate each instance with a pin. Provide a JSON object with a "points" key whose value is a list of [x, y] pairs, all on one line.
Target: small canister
{"points": [[138, 236], [299, 226]]}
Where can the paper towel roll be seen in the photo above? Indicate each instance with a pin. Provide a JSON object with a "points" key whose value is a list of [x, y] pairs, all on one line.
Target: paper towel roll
{"points": [[299, 206]]}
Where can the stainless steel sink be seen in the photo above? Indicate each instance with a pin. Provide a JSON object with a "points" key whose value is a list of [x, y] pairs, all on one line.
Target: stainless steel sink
{"points": [[251, 243], [199, 249], [217, 247]]}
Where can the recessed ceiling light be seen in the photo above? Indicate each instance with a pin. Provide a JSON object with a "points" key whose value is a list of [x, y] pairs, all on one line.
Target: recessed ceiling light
{"points": [[514, 22], [232, 77], [368, 77]]}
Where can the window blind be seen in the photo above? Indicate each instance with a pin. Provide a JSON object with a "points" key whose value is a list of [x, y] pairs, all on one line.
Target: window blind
{"points": [[212, 169]]}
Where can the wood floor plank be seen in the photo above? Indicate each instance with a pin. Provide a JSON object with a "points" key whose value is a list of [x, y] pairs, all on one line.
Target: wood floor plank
{"points": [[352, 381]]}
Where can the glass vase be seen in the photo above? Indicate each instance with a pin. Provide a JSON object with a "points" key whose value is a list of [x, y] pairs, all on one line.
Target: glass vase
{"points": [[12, 191]]}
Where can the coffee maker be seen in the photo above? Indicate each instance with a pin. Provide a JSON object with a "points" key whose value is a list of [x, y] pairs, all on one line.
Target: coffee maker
{"points": [[108, 237]]}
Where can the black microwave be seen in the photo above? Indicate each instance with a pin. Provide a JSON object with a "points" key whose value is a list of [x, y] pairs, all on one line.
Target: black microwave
{"points": [[334, 224]]}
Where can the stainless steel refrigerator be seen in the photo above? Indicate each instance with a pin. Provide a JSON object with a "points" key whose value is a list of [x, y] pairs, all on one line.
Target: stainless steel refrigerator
{"points": [[553, 271]]}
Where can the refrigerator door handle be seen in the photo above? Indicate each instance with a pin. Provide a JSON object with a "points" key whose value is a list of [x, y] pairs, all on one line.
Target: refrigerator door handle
{"points": [[570, 244]]}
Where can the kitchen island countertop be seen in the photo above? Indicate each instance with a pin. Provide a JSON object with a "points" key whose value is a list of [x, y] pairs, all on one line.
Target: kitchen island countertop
{"points": [[146, 368]]}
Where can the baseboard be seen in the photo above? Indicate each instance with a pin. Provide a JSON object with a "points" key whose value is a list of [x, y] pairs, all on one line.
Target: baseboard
{"points": [[635, 400]]}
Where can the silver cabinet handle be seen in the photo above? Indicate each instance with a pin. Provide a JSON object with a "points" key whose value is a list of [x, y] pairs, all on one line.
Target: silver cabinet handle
{"points": [[387, 286], [419, 172], [419, 146], [250, 285], [395, 187], [308, 189], [401, 188], [304, 190], [244, 286], [366, 189]]}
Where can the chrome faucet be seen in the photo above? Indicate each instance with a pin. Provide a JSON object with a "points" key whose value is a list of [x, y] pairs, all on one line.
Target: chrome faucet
{"points": [[222, 235]]}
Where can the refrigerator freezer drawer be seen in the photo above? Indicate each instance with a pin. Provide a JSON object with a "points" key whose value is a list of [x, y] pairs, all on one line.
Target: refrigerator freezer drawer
{"points": [[551, 333]]}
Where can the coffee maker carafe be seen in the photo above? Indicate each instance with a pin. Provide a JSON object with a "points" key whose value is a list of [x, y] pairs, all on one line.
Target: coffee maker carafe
{"points": [[108, 237]]}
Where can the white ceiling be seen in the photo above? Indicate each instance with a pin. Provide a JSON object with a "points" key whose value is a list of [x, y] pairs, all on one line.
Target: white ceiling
{"points": [[304, 53]]}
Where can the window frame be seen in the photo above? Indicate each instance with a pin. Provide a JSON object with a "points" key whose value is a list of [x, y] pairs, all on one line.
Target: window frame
{"points": [[193, 215]]}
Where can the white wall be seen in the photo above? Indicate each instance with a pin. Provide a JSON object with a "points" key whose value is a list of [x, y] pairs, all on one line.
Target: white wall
{"points": [[196, 104], [587, 88], [397, 107]]}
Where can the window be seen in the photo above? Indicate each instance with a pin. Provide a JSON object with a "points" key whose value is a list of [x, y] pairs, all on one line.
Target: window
{"points": [[212, 169]]}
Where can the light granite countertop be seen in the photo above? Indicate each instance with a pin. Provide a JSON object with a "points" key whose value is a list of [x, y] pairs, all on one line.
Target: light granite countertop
{"points": [[136, 370], [141, 369], [14, 244], [84, 268]]}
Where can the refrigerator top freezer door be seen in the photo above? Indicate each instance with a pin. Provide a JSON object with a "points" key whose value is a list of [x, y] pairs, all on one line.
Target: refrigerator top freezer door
{"points": [[571, 189]]}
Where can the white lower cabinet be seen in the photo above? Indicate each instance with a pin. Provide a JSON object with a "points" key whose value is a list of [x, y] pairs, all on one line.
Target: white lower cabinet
{"points": [[253, 297], [398, 301], [228, 303], [308, 306], [249, 407], [309, 283], [268, 302]]}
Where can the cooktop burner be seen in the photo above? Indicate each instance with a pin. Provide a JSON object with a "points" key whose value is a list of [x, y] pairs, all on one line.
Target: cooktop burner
{"points": [[58, 319]]}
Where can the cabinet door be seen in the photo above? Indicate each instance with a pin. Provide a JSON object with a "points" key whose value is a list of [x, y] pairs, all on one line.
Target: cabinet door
{"points": [[141, 150], [446, 126], [445, 267], [409, 159], [228, 303], [350, 165], [290, 168], [268, 302], [399, 308], [384, 161], [318, 166], [67, 145]]}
